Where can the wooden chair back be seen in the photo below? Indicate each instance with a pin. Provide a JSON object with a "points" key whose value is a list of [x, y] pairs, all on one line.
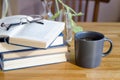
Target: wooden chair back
{"points": [[1, 7]]}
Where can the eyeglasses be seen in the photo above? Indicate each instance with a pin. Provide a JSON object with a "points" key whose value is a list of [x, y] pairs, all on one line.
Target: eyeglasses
{"points": [[36, 19]]}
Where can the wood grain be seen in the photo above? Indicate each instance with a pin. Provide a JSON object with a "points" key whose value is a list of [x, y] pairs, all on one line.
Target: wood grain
{"points": [[1, 1], [108, 70]]}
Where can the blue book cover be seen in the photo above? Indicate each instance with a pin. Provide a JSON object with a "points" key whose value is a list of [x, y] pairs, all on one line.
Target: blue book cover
{"points": [[25, 51], [14, 64], [8, 48]]}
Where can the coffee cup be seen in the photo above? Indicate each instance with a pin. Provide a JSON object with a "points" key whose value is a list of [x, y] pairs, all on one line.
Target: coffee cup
{"points": [[89, 47]]}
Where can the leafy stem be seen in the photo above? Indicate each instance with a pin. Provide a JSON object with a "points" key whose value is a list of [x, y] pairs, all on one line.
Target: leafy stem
{"points": [[70, 12]]}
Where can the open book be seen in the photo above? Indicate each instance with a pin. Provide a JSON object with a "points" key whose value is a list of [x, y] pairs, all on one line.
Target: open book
{"points": [[31, 34]]}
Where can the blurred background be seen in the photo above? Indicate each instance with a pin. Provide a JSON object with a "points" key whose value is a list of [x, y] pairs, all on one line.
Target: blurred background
{"points": [[108, 12]]}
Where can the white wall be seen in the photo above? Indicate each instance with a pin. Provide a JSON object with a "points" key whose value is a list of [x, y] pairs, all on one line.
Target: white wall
{"points": [[108, 12]]}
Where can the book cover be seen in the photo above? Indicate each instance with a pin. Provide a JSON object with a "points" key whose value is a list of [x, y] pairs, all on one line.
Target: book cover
{"points": [[9, 48], [32, 34], [33, 52], [32, 61]]}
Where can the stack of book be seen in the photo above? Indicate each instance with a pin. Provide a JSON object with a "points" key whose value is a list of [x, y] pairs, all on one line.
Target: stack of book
{"points": [[31, 44]]}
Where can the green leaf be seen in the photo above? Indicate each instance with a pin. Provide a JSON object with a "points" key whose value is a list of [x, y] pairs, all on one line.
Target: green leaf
{"points": [[72, 23], [70, 12], [77, 29], [55, 16]]}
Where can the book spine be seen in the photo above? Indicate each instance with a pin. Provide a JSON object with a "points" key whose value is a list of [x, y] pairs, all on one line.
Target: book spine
{"points": [[1, 56], [1, 63]]}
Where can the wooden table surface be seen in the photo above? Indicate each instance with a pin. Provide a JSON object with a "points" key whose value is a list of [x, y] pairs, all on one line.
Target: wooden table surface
{"points": [[108, 70]]}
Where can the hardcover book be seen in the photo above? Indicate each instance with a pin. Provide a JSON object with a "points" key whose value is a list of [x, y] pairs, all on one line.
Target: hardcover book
{"points": [[8, 48], [17, 56], [32, 61], [30, 33], [8, 51], [33, 52]]}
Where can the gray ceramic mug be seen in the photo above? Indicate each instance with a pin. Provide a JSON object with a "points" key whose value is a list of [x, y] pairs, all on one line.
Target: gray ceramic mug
{"points": [[89, 48]]}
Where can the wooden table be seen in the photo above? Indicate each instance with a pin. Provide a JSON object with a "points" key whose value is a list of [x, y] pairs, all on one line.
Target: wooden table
{"points": [[108, 70]]}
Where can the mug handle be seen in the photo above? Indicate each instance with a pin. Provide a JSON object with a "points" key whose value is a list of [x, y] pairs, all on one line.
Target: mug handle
{"points": [[110, 49]]}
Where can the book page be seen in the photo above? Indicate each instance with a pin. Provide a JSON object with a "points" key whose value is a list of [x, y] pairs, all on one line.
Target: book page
{"points": [[39, 32], [4, 47], [12, 20], [30, 33]]}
